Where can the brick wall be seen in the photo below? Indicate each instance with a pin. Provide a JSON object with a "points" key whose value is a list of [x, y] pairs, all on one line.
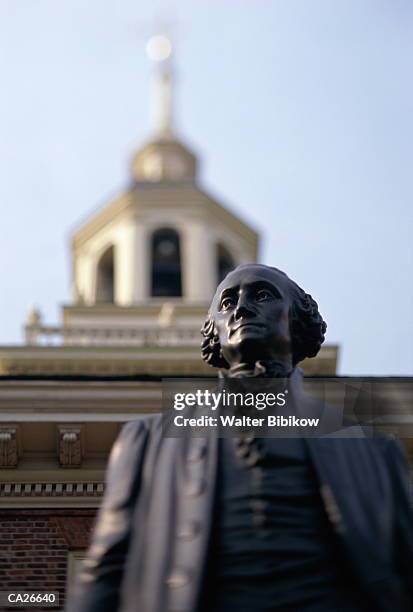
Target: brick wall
{"points": [[35, 545]]}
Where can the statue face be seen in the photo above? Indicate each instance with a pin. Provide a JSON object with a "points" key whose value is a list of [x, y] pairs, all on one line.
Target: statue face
{"points": [[251, 313]]}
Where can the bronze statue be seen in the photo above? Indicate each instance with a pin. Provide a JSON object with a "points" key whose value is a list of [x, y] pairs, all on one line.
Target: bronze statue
{"points": [[248, 524], [258, 313]]}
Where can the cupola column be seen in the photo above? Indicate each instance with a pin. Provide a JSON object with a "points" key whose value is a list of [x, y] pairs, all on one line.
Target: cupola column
{"points": [[199, 264]]}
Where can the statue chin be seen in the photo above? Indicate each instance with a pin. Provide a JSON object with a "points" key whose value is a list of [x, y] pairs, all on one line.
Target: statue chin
{"points": [[248, 350]]}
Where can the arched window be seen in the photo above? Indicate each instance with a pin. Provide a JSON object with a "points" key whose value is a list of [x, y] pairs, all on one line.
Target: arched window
{"points": [[105, 280], [225, 263], [166, 264]]}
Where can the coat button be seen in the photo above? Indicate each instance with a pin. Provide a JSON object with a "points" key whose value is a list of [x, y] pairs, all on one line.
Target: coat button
{"points": [[244, 441], [259, 520], [253, 459], [189, 530], [259, 505], [177, 579], [195, 488], [242, 451]]}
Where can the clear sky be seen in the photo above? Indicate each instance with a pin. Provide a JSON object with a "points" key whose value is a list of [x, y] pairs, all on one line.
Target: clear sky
{"points": [[302, 112]]}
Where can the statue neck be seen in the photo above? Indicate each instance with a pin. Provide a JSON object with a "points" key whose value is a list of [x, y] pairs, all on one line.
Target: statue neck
{"points": [[261, 368]]}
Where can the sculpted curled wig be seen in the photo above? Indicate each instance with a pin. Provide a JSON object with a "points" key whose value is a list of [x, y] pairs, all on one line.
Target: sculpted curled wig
{"points": [[306, 323]]}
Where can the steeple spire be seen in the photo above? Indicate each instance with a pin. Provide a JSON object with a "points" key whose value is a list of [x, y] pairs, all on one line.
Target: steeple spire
{"points": [[163, 158], [159, 50]]}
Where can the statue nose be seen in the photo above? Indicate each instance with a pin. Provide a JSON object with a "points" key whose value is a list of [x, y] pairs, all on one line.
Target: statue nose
{"points": [[242, 310]]}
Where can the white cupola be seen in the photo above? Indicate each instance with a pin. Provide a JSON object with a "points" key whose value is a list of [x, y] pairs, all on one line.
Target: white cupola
{"points": [[165, 238]]}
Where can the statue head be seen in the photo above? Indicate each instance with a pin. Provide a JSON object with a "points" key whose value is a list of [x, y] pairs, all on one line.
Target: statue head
{"points": [[259, 313]]}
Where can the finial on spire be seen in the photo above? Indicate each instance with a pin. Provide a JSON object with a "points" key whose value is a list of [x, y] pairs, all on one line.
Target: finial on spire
{"points": [[159, 50], [34, 317]]}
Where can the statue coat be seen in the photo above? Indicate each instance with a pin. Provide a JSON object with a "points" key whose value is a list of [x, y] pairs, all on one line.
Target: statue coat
{"points": [[149, 548]]}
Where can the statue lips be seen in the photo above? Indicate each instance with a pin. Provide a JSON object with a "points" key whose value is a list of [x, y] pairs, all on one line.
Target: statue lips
{"points": [[247, 325]]}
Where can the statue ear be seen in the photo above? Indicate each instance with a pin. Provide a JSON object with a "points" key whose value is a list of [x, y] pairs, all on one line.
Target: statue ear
{"points": [[211, 348]]}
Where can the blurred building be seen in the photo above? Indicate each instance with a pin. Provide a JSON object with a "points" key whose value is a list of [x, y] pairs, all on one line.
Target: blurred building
{"points": [[144, 270]]}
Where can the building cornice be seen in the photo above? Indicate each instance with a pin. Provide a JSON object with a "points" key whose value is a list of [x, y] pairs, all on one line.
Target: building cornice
{"points": [[101, 218], [175, 196], [76, 494], [127, 361], [152, 307]]}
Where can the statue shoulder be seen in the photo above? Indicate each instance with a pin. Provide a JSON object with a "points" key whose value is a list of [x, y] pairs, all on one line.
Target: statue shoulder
{"points": [[132, 438], [135, 432]]}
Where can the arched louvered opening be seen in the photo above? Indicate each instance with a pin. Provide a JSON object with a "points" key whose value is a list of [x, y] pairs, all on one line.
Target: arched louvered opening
{"points": [[166, 264], [225, 262], [105, 279]]}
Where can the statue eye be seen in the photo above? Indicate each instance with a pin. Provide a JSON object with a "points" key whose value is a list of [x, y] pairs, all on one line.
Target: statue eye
{"points": [[227, 303], [264, 295]]}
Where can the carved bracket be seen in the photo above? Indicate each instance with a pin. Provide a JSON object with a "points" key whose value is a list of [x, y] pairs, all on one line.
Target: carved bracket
{"points": [[9, 454], [70, 445]]}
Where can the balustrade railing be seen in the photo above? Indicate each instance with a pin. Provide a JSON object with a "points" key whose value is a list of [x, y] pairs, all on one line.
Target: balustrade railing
{"points": [[41, 335]]}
